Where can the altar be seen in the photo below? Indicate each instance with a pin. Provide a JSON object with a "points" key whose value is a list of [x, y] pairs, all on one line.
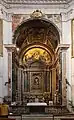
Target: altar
{"points": [[36, 107]]}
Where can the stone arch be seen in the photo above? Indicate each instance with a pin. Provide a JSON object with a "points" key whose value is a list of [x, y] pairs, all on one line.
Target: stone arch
{"points": [[49, 21], [37, 33], [15, 34]]}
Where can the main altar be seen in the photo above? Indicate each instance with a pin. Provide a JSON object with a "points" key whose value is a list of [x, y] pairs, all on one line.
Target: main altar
{"points": [[36, 107]]}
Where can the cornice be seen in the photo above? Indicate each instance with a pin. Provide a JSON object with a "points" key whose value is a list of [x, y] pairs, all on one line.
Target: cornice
{"points": [[38, 1], [22, 3], [4, 3]]}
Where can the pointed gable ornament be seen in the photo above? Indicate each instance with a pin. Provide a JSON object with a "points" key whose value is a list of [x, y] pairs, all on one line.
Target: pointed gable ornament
{"points": [[37, 14]]}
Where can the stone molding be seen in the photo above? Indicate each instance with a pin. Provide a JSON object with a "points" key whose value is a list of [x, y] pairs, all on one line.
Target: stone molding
{"points": [[21, 3], [10, 47], [38, 1]]}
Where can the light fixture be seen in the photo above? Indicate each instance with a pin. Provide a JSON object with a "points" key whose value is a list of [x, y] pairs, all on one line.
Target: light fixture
{"points": [[17, 49]]}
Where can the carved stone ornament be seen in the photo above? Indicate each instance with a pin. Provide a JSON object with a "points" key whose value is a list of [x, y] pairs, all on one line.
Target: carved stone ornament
{"points": [[37, 14]]}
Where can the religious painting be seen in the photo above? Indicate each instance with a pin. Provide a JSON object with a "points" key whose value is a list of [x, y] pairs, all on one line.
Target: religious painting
{"points": [[36, 82], [72, 31], [37, 54]]}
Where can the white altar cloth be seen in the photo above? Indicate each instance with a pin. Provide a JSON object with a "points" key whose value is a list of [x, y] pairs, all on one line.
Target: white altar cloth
{"points": [[37, 104]]}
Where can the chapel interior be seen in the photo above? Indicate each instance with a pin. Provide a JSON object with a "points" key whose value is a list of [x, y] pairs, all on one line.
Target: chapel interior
{"points": [[37, 59]]}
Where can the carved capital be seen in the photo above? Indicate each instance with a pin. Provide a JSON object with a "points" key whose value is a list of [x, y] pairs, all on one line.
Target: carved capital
{"points": [[10, 47]]}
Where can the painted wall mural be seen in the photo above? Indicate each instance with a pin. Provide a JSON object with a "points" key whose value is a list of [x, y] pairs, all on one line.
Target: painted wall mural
{"points": [[37, 54], [17, 19]]}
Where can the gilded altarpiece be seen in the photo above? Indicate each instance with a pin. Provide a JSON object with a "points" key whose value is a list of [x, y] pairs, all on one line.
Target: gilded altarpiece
{"points": [[37, 76]]}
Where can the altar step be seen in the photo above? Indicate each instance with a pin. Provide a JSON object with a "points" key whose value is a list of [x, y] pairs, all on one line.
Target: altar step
{"points": [[44, 117]]}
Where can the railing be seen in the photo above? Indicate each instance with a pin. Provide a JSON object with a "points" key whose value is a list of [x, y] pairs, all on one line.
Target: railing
{"points": [[18, 110], [55, 112], [24, 109], [56, 109]]}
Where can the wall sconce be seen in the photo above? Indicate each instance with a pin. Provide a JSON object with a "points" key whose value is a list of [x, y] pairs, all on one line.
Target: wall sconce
{"points": [[8, 82]]}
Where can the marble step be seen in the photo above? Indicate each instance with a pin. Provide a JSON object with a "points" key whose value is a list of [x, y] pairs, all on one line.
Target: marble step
{"points": [[43, 117]]}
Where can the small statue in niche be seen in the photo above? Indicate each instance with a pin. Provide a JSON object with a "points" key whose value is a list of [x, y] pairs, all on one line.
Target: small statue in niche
{"points": [[36, 99], [36, 81]]}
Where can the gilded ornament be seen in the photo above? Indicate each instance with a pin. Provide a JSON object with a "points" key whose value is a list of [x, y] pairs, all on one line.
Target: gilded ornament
{"points": [[37, 14]]}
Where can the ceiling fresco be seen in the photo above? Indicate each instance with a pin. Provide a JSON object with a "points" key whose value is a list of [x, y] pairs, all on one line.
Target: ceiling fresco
{"points": [[36, 31]]}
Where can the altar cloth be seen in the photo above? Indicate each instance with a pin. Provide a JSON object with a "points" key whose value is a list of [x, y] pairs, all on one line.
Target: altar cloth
{"points": [[37, 104]]}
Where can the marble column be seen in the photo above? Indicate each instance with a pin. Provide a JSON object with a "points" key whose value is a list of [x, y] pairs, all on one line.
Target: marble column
{"points": [[53, 81], [1, 60], [19, 85], [1, 80], [22, 85], [73, 80], [10, 48], [64, 79], [10, 75]]}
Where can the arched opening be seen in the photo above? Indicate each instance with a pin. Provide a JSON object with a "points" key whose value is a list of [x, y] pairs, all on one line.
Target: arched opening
{"points": [[35, 65]]}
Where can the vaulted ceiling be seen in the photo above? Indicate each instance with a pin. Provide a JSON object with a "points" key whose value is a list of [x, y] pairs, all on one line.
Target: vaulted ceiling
{"points": [[36, 32]]}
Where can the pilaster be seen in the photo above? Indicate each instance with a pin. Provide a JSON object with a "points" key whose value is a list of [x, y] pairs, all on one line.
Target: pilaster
{"points": [[73, 80], [63, 81], [10, 48]]}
